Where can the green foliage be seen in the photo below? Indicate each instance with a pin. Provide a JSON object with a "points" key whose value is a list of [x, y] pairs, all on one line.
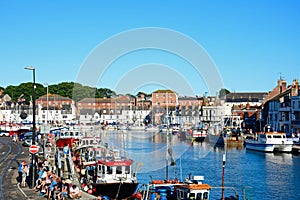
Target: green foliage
{"points": [[223, 92], [71, 90]]}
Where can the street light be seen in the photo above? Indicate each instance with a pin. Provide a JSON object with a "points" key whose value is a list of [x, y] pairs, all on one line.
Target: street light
{"points": [[33, 126], [47, 103]]}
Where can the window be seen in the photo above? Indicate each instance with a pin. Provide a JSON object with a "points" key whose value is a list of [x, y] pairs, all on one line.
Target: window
{"points": [[192, 196], [199, 196], [119, 170], [205, 195]]}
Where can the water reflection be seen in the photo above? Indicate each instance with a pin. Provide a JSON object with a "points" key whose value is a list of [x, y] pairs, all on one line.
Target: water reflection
{"points": [[265, 175]]}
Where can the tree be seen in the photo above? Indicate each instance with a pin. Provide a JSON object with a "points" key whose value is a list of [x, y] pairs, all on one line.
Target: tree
{"points": [[72, 90], [223, 92]]}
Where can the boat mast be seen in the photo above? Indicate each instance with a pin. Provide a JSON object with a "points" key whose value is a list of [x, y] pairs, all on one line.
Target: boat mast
{"points": [[167, 137], [223, 173]]}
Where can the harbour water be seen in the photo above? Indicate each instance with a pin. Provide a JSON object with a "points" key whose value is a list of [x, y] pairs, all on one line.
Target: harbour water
{"points": [[256, 174]]}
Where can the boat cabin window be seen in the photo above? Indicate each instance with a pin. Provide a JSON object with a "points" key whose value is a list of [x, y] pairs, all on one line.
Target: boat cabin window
{"points": [[127, 170], [199, 196], [192, 196], [277, 136], [183, 195], [269, 136], [262, 136], [119, 170], [71, 134], [109, 170], [101, 169], [205, 196]]}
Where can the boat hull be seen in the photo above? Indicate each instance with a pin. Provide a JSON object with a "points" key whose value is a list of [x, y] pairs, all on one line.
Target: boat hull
{"points": [[259, 146], [283, 148], [118, 190]]}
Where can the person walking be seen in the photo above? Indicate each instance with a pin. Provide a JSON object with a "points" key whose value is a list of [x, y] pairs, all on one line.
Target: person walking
{"points": [[20, 169], [25, 171]]}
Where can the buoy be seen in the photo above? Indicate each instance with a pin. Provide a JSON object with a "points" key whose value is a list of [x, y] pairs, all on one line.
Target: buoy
{"points": [[138, 195], [90, 191]]}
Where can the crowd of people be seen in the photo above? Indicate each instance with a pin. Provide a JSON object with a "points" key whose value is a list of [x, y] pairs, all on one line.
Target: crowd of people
{"points": [[48, 184]]}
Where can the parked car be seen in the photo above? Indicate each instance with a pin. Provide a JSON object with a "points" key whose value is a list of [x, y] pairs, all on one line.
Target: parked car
{"points": [[27, 142], [21, 135], [4, 133]]}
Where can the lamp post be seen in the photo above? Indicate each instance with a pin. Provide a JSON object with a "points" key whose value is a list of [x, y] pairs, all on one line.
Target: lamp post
{"points": [[33, 127], [47, 103]]}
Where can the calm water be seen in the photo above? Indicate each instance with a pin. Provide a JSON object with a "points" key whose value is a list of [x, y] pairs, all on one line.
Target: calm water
{"points": [[261, 175]]}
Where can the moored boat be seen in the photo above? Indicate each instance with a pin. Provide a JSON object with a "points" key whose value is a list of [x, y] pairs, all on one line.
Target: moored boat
{"points": [[226, 132], [108, 172], [270, 142], [174, 189], [198, 134]]}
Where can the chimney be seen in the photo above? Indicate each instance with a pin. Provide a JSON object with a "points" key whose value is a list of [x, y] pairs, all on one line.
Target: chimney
{"points": [[281, 84], [295, 86]]}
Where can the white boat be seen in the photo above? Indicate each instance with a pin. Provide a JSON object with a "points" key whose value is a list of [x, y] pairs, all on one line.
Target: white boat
{"points": [[122, 127], [270, 142], [198, 133], [136, 128], [152, 129]]}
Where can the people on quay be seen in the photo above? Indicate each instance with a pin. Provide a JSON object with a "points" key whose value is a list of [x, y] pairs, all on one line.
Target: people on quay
{"points": [[20, 170], [25, 173], [75, 192], [64, 189]]}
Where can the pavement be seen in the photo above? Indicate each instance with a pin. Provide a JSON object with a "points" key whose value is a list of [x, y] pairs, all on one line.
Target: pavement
{"points": [[30, 194]]}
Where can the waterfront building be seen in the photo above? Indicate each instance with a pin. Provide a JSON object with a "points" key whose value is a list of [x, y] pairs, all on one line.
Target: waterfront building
{"points": [[247, 105], [164, 98], [212, 114], [53, 108], [189, 109], [143, 101], [281, 109]]}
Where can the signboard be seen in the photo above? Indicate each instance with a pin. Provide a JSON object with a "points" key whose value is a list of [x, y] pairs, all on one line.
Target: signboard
{"points": [[33, 149]]}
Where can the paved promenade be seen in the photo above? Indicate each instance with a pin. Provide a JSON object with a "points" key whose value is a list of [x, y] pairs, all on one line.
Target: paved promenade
{"points": [[12, 187]]}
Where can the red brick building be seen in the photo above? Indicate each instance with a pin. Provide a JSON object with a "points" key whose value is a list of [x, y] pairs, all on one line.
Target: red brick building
{"points": [[164, 98]]}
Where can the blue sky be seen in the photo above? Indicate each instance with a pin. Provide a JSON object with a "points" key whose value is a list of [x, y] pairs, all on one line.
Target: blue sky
{"points": [[251, 43]]}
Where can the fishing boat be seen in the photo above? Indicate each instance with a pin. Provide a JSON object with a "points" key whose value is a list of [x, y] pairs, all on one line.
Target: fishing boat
{"points": [[197, 134], [109, 173], [270, 142], [174, 189], [226, 132]]}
